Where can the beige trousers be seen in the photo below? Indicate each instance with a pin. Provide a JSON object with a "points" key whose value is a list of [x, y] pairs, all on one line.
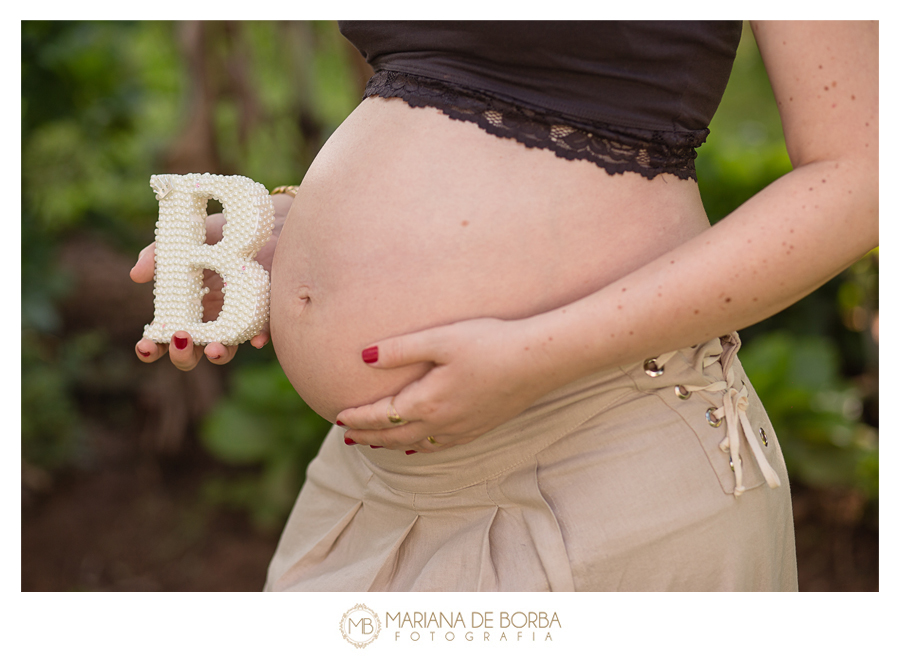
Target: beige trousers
{"points": [[620, 481]]}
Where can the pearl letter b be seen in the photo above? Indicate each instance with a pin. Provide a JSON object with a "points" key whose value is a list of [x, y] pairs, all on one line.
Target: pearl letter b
{"points": [[182, 254]]}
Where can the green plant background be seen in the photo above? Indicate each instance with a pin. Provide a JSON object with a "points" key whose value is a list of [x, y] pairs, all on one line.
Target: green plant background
{"points": [[106, 104]]}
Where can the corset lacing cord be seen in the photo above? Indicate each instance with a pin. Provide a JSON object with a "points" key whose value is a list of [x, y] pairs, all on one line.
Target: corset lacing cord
{"points": [[734, 410]]}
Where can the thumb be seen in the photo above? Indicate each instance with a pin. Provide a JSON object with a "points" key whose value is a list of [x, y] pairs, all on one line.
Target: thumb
{"points": [[143, 270], [404, 350]]}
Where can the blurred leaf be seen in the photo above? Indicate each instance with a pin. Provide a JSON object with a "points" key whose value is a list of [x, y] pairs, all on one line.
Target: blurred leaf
{"points": [[264, 423], [814, 410], [237, 437]]}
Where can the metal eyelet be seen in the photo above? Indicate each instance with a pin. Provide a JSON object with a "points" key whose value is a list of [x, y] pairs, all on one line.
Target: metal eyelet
{"points": [[682, 392], [731, 463], [712, 420], [762, 435], [651, 369]]}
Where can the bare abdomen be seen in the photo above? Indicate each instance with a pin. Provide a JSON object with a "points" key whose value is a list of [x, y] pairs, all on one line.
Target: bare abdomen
{"points": [[408, 220]]}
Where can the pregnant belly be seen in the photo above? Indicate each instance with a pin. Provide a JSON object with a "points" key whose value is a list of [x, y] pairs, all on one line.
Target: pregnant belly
{"points": [[409, 220]]}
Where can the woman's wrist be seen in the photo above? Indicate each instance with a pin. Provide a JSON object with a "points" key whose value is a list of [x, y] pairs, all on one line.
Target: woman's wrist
{"points": [[538, 346]]}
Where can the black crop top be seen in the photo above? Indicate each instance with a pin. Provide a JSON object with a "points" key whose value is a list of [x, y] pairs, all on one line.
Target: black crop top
{"points": [[627, 95]]}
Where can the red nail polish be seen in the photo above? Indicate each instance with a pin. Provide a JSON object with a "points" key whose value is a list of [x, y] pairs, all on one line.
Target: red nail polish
{"points": [[143, 353], [349, 442], [410, 452], [180, 343], [341, 424], [373, 447], [370, 354]]}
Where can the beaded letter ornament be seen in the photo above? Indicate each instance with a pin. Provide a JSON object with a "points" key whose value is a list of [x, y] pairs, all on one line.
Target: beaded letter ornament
{"points": [[182, 254]]}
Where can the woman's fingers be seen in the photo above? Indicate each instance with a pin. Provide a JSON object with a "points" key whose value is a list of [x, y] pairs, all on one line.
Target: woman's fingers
{"points": [[148, 351], [420, 347], [399, 351], [220, 354], [410, 437], [259, 340], [143, 270], [380, 415], [397, 437], [393, 353], [182, 351]]}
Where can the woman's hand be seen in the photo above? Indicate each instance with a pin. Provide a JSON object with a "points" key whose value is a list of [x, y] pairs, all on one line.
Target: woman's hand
{"points": [[182, 351], [485, 373]]}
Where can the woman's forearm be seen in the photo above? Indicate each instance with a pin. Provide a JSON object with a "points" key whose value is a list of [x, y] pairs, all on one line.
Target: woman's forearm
{"points": [[775, 249], [779, 246]]}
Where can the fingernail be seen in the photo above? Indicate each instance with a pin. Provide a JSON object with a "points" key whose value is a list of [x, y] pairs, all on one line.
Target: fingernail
{"points": [[214, 358], [410, 452], [143, 353], [373, 447], [349, 442], [341, 424], [180, 343], [370, 354]]}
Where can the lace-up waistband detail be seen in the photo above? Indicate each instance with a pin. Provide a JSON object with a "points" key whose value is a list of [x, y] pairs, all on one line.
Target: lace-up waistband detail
{"points": [[616, 149], [732, 408]]}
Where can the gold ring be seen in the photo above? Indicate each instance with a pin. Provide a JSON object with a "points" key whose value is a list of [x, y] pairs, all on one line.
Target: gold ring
{"points": [[286, 189], [431, 438], [393, 416]]}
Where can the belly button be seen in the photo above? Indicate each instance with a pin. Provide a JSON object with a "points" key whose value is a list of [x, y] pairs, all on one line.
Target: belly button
{"points": [[303, 297]]}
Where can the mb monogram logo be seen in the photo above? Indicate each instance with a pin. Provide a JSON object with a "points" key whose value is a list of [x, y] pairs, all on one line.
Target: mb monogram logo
{"points": [[360, 626]]}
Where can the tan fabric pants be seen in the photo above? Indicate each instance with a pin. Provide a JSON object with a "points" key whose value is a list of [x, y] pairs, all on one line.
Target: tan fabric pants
{"points": [[618, 481]]}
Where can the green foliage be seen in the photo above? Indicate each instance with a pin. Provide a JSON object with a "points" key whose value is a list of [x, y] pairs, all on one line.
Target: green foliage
{"points": [[95, 112], [52, 432], [263, 425], [103, 103], [49, 437], [88, 132], [745, 149], [815, 411]]}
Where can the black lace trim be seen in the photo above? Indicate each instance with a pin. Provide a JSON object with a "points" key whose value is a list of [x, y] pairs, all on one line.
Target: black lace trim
{"points": [[614, 148]]}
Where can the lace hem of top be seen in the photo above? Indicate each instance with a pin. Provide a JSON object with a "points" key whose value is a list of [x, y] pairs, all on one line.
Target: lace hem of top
{"points": [[614, 148]]}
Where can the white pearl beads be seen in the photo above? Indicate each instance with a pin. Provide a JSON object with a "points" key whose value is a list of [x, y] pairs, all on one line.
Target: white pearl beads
{"points": [[182, 254]]}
